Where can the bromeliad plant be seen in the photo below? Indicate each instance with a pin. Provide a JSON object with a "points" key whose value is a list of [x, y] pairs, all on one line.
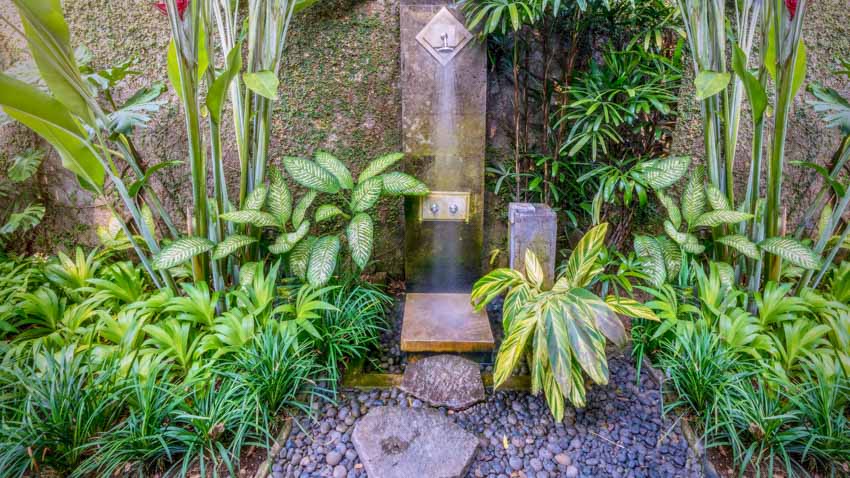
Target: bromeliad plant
{"points": [[563, 329]]}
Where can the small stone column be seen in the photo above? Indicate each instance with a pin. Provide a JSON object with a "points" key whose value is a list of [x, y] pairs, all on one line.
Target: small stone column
{"points": [[535, 227]]}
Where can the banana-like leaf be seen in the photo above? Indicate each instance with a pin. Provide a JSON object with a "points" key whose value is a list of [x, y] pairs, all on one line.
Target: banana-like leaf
{"points": [[740, 244], [327, 211], [716, 198], [279, 200], [323, 258], [335, 167], [255, 218], [181, 251], [300, 210], [693, 197], [360, 237], [582, 264], [378, 166], [708, 83], [256, 199], [792, 251], [755, 92], [663, 173], [263, 83], [231, 244], [310, 175], [630, 308], [300, 257], [396, 183], [218, 90], [673, 211], [652, 256], [53, 122], [286, 242], [716, 218], [366, 194]]}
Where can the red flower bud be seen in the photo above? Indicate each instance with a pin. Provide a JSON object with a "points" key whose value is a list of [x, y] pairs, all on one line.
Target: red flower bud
{"points": [[181, 7], [791, 5]]}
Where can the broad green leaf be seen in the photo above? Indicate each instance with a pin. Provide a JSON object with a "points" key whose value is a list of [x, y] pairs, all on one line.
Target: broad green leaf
{"points": [[53, 122], [792, 251], [716, 218], [232, 244], [256, 199], [49, 44], [653, 265], [740, 244], [263, 83], [716, 198], [630, 308], [678, 237], [663, 173], [300, 210], [335, 167], [606, 321], [533, 269], [255, 218], [173, 70], [360, 237], [708, 83], [310, 175], [400, 183], [286, 242], [246, 273], [366, 194], [799, 69], [582, 265], [300, 257], [279, 200], [693, 197], [770, 52], [492, 285], [327, 211], [692, 245], [141, 183], [587, 342], [25, 164], [560, 355], [378, 166], [24, 220], [323, 258], [218, 90], [672, 210], [181, 251], [755, 92], [833, 108]]}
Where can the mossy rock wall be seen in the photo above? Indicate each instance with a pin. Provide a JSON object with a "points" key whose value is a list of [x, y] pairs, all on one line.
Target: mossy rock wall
{"points": [[827, 37], [339, 93]]}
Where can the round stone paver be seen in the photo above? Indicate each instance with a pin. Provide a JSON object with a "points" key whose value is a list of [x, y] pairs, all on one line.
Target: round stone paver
{"points": [[444, 381]]}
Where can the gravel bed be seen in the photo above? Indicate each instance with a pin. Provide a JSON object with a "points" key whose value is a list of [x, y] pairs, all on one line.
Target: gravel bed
{"points": [[620, 433]]}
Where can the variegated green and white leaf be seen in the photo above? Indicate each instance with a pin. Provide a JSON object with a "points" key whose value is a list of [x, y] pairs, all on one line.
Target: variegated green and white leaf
{"points": [[279, 200], [533, 269], [716, 198], [692, 245], [672, 253], [693, 197], [740, 244], [360, 237], [663, 173], [648, 249], [181, 251], [582, 264], [716, 218], [310, 175], [300, 257], [285, 242], [256, 199], [677, 236], [673, 211], [300, 210], [255, 218], [630, 308], [399, 183], [327, 211], [366, 194], [335, 167], [246, 273], [792, 251], [232, 244], [323, 258], [378, 166]]}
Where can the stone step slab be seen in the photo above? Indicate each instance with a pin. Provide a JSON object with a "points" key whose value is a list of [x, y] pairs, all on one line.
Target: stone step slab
{"points": [[395, 442], [447, 381]]}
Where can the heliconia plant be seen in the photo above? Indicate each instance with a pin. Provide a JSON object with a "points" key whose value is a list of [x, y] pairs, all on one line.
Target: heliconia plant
{"points": [[226, 239]]}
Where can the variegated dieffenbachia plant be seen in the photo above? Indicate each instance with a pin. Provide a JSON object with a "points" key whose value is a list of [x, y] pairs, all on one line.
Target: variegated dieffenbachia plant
{"points": [[312, 256], [703, 220]]}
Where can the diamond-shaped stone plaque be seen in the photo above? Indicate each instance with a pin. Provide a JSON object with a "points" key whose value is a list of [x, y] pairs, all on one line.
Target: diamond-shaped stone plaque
{"points": [[443, 37]]}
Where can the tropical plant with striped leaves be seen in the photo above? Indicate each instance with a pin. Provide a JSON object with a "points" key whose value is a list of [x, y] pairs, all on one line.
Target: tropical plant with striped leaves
{"points": [[561, 330]]}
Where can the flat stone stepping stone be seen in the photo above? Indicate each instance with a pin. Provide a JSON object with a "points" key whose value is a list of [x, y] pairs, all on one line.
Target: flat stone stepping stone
{"points": [[447, 381], [395, 442]]}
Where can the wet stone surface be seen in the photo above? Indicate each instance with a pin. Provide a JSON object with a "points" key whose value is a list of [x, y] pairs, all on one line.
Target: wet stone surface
{"points": [[619, 434], [444, 381]]}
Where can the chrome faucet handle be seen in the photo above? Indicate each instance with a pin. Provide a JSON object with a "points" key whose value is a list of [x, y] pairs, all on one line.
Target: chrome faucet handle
{"points": [[435, 208], [453, 209]]}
